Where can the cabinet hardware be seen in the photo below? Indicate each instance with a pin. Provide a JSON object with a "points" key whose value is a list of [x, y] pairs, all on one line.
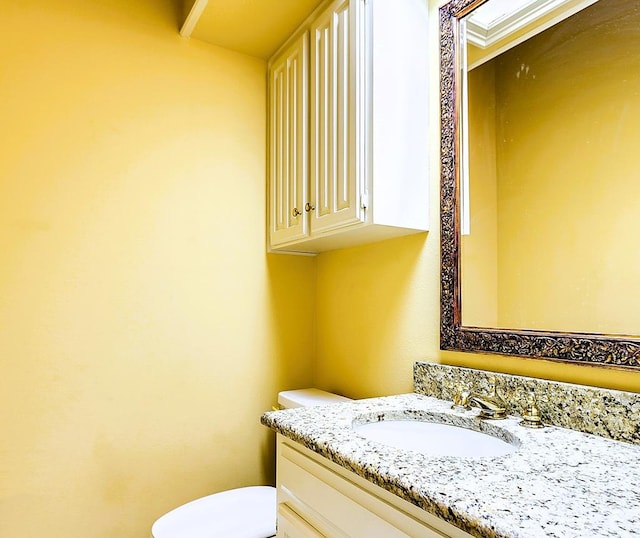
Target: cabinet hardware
{"points": [[295, 212], [308, 207]]}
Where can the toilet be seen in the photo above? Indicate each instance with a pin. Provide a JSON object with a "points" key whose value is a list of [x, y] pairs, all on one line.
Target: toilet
{"points": [[248, 512]]}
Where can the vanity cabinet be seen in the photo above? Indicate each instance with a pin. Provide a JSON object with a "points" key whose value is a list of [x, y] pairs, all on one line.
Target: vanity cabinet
{"points": [[319, 498], [348, 122]]}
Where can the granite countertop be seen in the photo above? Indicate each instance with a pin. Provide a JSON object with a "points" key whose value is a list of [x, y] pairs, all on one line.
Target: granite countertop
{"points": [[559, 482]]}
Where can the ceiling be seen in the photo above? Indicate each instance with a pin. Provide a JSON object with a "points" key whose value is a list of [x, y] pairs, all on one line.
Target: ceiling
{"points": [[254, 27], [497, 20]]}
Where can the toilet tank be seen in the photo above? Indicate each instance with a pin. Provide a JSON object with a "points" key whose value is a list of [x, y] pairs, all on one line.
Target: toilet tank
{"points": [[289, 399]]}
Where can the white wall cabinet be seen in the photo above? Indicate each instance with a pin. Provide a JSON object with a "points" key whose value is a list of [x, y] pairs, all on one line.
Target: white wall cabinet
{"points": [[288, 143], [319, 498], [348, 126]]}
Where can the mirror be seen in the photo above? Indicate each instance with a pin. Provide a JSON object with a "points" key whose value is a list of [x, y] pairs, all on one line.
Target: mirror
{"points": [[540, 119]]}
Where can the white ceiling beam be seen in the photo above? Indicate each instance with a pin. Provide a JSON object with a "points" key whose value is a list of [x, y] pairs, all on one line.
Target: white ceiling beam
{"points": [[193, 17]]}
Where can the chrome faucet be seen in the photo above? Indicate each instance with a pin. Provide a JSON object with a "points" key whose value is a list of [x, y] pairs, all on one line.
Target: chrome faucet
{"points": [[491, 405]]}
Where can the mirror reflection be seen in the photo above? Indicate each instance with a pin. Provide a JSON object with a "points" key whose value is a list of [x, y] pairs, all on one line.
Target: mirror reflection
{"points": [[550, 133]]}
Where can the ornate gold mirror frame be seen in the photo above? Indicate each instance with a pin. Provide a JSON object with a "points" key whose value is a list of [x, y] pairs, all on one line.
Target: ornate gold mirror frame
{"points": [[579, 348]]}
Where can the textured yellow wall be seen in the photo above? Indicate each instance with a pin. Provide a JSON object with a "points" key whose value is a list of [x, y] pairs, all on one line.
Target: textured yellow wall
{"points": [[378, 308], [142, 328]]}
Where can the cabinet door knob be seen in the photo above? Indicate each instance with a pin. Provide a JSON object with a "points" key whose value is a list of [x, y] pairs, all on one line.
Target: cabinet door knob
{"points": [[308, 207], [295, 212]]}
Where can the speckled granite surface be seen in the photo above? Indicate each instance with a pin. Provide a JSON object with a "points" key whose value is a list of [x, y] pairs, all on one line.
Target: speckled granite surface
{"points": [[559, 483], [608, 413]]}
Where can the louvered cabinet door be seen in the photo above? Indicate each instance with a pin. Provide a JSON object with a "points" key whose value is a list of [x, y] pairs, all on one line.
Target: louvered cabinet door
{"points": [[335, 189], [289, 143]]}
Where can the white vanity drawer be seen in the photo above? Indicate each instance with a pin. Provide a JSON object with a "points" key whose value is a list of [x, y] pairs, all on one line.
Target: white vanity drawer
{"points": [[291, 525], [334, 506]]}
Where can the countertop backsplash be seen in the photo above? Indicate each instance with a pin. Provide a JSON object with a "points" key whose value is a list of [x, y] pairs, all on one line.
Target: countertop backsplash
{"points": [[608, 413]]}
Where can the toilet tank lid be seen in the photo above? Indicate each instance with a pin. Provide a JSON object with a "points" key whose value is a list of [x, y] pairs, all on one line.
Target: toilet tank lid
{"points": [[308, 398]]}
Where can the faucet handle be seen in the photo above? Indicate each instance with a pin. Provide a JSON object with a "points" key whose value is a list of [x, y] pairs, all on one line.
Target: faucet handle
{"points": [[492, 385], [531, 417], [461, 398]]}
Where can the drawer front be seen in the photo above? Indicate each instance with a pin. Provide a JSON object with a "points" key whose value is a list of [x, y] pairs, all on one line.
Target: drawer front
{"points": [[291, 525], [337, 507]]}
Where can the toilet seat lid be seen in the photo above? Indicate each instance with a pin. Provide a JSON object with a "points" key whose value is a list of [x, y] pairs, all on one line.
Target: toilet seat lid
{"points": [[239, 513]]}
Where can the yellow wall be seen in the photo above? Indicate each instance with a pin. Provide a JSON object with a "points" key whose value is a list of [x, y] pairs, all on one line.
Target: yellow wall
{"points": [[136, 302], [378, 308], [142, 328]]}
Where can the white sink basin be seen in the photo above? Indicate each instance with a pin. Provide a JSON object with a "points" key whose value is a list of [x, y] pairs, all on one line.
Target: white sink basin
{"points": [[434, 438]]}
